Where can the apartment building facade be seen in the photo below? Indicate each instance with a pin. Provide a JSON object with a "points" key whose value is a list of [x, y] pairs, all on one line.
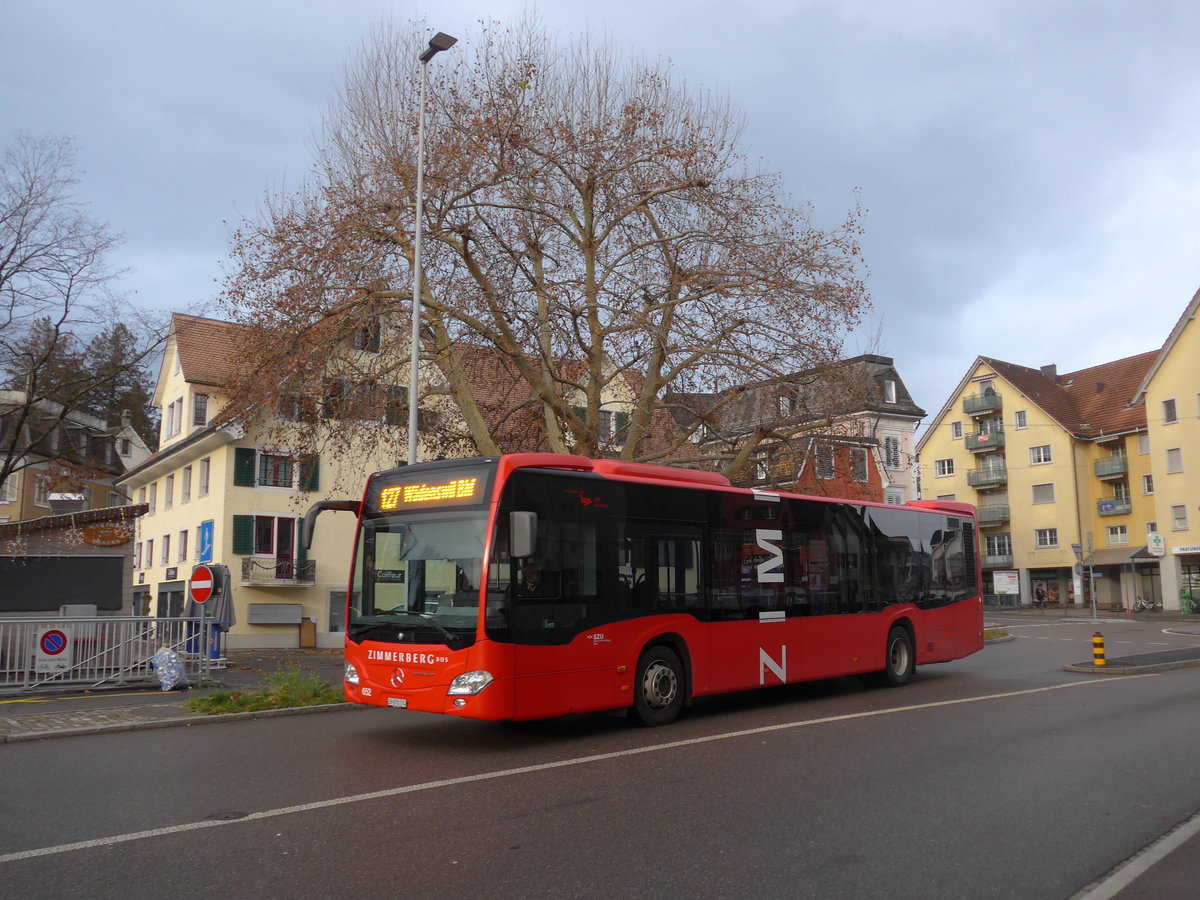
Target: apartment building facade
{"points": [[1056, 466]]}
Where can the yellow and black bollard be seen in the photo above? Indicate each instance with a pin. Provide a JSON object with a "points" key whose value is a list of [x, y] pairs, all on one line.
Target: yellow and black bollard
{"points": [[1098, 650]]}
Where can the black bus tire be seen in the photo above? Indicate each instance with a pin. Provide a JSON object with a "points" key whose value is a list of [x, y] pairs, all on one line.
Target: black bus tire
{"points": [[899, 660], [660, 686]]}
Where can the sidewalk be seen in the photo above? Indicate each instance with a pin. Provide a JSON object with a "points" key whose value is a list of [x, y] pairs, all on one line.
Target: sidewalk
{"points": [[38, 716]]}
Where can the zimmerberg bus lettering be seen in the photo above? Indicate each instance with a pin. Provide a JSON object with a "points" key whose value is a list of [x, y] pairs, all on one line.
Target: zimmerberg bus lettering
{"points": [[778, 668], [763, 537], [406, 656]]}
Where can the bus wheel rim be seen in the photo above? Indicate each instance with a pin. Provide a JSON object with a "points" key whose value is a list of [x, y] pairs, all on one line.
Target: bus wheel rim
{"points": [[659, 685]]}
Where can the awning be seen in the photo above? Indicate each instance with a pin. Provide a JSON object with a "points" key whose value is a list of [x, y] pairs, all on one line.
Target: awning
{"points": [[1120, 556]]}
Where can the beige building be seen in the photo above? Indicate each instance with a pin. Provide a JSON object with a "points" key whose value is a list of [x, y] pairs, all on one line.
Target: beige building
{"points": [[223, 494], [1170, 396], [1057, 466]]}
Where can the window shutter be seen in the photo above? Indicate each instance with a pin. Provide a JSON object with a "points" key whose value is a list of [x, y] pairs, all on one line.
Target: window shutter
{"points": [[243, 466], [243, 535], [310, 473], [622, 426]]}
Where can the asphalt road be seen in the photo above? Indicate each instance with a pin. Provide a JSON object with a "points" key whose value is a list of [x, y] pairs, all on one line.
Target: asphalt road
{"points": [[997, 776]]}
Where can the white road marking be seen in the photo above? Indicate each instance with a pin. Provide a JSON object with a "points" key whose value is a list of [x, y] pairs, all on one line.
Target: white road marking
{"points": [[1143, 862], [113, 840]]}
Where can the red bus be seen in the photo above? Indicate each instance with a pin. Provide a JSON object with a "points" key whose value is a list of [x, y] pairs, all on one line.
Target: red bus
{"points": [[535, 585]]}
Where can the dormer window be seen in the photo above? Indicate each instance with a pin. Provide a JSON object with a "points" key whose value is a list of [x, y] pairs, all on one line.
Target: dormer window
{"points": [[889, 391]]}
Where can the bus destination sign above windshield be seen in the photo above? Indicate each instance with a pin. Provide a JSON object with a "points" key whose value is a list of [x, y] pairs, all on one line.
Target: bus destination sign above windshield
{"points": [[451, 492]]}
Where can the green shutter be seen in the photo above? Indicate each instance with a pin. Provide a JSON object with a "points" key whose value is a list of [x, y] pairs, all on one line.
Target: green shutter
{"points": [[243, 535], [310, 473], [243, 466], [622, 426]]}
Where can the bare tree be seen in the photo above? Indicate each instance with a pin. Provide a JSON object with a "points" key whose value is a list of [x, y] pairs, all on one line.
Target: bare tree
{"points": [[589, 221], [56, 303]]}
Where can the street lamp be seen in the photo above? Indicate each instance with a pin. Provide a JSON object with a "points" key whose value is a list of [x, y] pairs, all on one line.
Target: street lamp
{"points": [[1087, 560], [437, 43]]}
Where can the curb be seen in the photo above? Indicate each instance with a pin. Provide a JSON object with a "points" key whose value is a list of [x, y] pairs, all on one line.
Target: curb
{"points": [[149, 724], [1090, 669]]}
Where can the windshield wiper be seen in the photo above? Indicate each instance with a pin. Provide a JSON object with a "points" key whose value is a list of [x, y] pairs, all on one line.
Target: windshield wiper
{"points": [[425, 619]]}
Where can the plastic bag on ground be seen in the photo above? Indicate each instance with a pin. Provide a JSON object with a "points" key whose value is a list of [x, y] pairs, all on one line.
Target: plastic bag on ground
{"points": [[169, 668]]}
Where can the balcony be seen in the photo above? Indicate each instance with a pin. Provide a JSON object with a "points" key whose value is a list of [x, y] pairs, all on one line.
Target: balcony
{"points": [[278, 573], [997, 561], [1114, 467], [985, 441], [982, 404], [988, 479], [1114, 506], [996, 514]]}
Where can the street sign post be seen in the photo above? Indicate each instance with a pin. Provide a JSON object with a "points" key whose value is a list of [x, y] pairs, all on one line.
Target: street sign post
{"points": [[201, 583]]}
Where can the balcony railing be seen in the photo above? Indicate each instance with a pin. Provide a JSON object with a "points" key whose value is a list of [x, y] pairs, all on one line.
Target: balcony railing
{"points": [[997, 560], [278, 573], [984, 441], [996, 514], [982, 404], [1114, 506], [1112, 467], [988, 479]]}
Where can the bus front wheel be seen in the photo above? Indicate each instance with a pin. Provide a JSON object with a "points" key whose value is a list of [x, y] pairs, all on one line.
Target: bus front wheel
{"points": [[901, 661], [660, 686]]}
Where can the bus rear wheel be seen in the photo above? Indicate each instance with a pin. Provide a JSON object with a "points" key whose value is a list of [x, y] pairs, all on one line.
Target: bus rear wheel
{"points": [[901, 661], [660, 686]]}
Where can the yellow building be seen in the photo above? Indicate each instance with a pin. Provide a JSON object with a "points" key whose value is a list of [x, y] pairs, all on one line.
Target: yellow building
{"points": [[1170, 396], [1056, 467], [220, 493]]}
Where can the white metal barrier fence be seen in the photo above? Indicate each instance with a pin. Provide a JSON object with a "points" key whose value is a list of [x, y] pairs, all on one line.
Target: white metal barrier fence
{"points": [[56, 652]]}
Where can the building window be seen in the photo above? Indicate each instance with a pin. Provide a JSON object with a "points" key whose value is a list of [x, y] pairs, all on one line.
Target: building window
{"points": [[1174, 461], [1147, 484], [202, 484], [1043, 493], [891, 452], [174, 417], [1022, 419], [137, 555], [8, 489], [1168, 409], [1046, 537], [1151, 527], [183, 546], [999, 545], [1117, 534], [153, 498], [824, 460], [166, 550], [169, 492], [366, 338], [785, 405], [274, 470], [149, 557], [858, 464], [1179, 518], [956, 431], [185, 486], [889, 391], [943, 467], [1143, 443], [200, 409], [1040, 455]]}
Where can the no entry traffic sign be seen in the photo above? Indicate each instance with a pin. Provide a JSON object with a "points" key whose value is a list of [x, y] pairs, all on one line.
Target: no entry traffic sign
{"points": [[201, 584]]}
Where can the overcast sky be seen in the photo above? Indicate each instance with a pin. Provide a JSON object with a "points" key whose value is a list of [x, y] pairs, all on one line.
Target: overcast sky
{"points": [[1029, 167]]}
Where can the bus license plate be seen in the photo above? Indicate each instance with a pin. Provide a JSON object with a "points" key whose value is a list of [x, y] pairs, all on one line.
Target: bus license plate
{"points": [[398, 702]]}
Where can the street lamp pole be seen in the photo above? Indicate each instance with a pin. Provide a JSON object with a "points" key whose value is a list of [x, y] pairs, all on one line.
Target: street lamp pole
{"points": [[437, 43]]}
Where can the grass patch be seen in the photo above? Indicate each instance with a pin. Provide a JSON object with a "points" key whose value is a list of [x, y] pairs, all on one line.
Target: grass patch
{"points": [[290, 686], [993, 634]]}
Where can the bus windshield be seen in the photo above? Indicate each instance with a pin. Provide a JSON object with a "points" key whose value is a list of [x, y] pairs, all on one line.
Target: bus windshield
{"points": [[417, 577]]}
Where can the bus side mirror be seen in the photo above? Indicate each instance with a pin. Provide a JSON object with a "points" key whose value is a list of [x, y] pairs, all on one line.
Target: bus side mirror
{"points": [[522, 534]]}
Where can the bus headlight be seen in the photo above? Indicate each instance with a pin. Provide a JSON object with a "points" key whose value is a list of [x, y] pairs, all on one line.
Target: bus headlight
{"points": [[351, 674], [470, 683]]}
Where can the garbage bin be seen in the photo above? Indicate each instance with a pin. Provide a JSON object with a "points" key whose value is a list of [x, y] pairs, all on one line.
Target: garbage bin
{"points": [[308, 633]]}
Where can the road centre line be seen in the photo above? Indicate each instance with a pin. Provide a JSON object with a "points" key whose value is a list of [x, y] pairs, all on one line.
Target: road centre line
{"points": [[526, 770]]}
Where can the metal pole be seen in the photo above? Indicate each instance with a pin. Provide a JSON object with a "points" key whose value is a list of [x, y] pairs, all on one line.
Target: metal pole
{"points": [[414, 365], [437, 43]]}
